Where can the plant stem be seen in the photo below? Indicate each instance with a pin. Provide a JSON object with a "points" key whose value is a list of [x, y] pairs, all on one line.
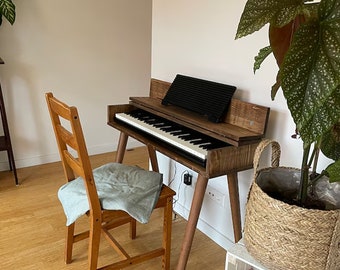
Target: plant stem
{"points": [[315, 157], [304, 176], [314, 180]]}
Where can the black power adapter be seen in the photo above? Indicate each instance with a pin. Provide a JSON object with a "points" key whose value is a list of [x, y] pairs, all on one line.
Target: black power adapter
{"points": [[187, 179]]}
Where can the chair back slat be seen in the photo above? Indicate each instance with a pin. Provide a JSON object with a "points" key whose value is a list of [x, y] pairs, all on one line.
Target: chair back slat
{"points": [[60, 108], [67, 137], [73, 163]]}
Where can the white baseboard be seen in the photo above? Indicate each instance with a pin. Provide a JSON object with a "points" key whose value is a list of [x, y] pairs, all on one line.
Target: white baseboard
{"points": [[53, 157]]}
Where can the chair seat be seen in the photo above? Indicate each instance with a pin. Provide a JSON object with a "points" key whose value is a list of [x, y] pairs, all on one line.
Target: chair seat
{"points": [[122, 216], [120, 187]]}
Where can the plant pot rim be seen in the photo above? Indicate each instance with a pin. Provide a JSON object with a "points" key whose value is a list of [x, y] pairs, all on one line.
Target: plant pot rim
{"points": [[275, 181]]}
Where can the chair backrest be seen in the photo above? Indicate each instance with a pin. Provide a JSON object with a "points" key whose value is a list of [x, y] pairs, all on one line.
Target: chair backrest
{"points": [[72, 148]]}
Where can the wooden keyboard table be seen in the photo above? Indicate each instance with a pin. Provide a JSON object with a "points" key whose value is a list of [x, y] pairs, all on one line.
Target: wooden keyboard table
{"points": [[243, 127]]}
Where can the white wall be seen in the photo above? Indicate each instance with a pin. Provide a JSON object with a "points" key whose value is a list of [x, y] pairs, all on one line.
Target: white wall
{"points": [[89, 53], [94, 53], [197, 38]]}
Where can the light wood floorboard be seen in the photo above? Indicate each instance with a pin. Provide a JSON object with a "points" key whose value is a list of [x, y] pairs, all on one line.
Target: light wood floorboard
{"points": [[32, 225]]}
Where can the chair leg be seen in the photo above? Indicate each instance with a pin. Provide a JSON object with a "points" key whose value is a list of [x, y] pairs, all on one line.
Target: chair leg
{"points": [[167, 225], [133, 229], [94, 241], [69, 243]]}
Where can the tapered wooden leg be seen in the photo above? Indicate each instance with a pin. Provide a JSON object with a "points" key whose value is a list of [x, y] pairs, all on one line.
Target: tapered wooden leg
{"points": [[195, 209], [123, 138], [167, 225], [235, 205], [94, 241], [69, 243], [133, 228], [153, 158]]}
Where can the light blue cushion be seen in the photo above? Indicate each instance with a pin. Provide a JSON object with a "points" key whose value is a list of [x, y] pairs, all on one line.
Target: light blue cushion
{"points": [[119, 187]]}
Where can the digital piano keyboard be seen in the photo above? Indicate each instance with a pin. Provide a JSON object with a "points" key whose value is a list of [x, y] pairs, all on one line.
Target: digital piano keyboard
{"points": [[212, 144], [185, 141]]}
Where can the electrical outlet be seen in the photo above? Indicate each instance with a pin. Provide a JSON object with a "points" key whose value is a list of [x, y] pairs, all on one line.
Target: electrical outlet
{"points": [[215, 195], [187, 179]]}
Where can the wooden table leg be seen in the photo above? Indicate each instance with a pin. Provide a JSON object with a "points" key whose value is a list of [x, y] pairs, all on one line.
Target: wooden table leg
{"points": [[153, 158], [196, 206], [235, 205], [123, 138]]}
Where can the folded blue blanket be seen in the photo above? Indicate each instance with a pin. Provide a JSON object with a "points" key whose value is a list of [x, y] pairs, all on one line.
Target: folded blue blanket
{"points": [[119, 187]]}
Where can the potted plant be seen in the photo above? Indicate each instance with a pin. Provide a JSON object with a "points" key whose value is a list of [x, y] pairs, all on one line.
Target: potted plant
{"points": [[304, 37], [7, 10]]}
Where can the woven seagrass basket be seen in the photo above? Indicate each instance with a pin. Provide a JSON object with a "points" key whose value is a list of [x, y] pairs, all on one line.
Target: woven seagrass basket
{"points": [[282, 236]]}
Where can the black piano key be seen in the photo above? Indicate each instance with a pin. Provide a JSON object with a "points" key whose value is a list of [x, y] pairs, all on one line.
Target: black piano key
{"points": [[168, 128], [163, 123], [175, 128], [194, 140], [177, 132], [215, 144], [195, 136], [184, 136], [188, 137], [138, 113], [150, 121], [204, 145], [198, 142]]}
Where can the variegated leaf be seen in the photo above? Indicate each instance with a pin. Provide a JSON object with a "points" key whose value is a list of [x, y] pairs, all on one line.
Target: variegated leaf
{"points": [[258, 13], [310, 74], [330, 144], [261, 56]]}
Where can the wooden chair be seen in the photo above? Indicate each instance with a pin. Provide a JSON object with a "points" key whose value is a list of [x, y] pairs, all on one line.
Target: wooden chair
{"points": [[76, 163]]}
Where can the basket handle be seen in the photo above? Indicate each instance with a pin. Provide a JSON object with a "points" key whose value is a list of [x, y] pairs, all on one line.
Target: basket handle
{"points": [[276, 152]]}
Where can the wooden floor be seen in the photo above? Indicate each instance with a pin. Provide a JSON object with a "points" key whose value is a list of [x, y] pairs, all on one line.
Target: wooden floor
{"points": [[32, 225]]}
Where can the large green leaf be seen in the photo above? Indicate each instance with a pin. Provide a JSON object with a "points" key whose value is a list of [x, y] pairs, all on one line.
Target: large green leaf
{"points": [[281, 37], [258, 13], [333, 171], [7, 9], [330, 144], [310, 73]]}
